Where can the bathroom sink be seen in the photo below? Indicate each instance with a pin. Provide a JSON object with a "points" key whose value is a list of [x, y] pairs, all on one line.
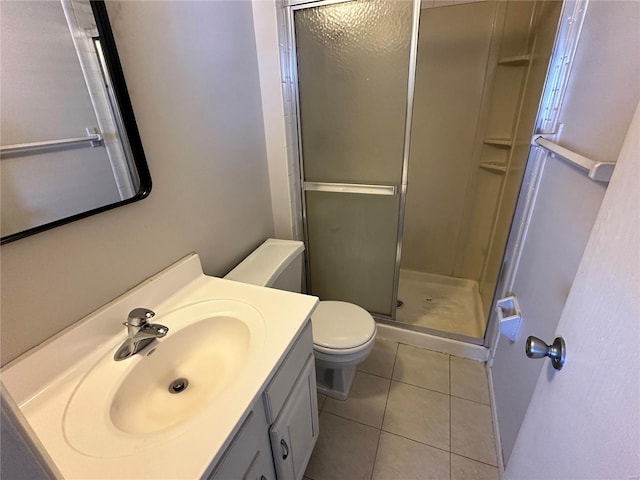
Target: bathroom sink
{"points": [[154, 394], [179, 375], [172, 409]]}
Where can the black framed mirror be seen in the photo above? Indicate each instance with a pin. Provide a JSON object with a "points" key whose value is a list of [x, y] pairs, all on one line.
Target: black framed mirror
{"points": [[70, 143]]}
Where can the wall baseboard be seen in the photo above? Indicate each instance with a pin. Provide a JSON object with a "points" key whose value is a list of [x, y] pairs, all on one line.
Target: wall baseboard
{"points": [[494, 419]]}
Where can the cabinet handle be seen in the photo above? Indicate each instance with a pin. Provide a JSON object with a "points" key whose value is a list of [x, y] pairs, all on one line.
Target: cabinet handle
{"points": [[285, 449]]}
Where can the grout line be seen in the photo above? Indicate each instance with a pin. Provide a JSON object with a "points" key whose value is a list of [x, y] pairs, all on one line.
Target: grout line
{"points": [[375, 375], [384, 412], [416, 441], [395, 359], [351, 420], [421, 387], [386, 403], [469, 400], [430, 389], [439, 448], [375, 455], [474, 459]]}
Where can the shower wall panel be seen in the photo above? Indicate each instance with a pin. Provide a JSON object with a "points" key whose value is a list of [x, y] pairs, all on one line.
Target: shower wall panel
{"points": [[544, 27], [454, 43], [504, 103]]}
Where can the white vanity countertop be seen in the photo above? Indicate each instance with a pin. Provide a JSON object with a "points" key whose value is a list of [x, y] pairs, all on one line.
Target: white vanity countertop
{"points": [[43, 381]]}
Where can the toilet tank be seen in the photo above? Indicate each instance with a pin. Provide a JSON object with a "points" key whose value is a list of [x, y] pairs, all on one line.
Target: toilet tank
{"points": [[275, 263]]}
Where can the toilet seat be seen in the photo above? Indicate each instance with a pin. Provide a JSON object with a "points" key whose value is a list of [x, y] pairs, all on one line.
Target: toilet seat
{"points": [[341, 328], [343, 336]]}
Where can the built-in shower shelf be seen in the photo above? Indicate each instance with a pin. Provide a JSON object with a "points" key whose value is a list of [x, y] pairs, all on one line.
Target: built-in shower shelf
{"points": [[498, 142], [494, 167], [515, 61]]}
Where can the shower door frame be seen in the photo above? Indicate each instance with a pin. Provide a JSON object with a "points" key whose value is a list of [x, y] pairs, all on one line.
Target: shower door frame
{"points": [[290, 73], [568, 33]]}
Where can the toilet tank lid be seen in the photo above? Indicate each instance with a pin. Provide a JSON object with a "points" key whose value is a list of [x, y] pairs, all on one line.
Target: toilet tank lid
{"points": [[266, 262]]}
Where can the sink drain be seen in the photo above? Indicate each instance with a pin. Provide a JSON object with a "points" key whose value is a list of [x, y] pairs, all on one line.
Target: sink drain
{"points": [[178, 385]]}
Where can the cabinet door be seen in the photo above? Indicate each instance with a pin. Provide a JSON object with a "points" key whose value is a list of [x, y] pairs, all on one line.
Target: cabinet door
{"points": [[249, 455], [294, 433], [262, 467]]}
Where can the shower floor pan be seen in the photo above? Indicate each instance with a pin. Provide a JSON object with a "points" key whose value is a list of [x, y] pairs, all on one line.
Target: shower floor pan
{"points": [[441, 304]]}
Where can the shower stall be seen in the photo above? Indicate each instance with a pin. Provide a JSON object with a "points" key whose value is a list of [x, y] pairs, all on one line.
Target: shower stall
{"points": [[413, 126]]}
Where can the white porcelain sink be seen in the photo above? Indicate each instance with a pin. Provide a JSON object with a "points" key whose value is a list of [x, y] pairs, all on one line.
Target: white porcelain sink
{"points": [[154, 394], [98, 418], [180, 374]]}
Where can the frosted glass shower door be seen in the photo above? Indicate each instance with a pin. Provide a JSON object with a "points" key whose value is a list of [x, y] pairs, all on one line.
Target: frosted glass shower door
{"points": [[353, 66]]}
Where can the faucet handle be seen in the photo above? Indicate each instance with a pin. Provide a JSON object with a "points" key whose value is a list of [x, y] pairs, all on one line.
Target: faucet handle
{"points": [[138, 317]]}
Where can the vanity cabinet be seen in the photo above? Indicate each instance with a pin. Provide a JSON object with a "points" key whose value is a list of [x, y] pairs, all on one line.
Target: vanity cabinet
{"points": [[277, 437], [294, 433]]}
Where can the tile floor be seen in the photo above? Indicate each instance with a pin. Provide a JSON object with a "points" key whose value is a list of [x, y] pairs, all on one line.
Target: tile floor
{"points": [[412, 414]]}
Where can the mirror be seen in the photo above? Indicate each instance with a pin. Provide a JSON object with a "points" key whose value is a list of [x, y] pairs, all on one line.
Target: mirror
{"points": [[70, 146]]}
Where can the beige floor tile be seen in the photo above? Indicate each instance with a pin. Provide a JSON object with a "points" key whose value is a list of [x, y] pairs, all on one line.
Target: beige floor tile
{"points": [[401, 458], [423, 368], [366, 401], [321, 399], [418, 414], [345, 450], [469, 380], [464, 469], [472, 431], [381, 359]]}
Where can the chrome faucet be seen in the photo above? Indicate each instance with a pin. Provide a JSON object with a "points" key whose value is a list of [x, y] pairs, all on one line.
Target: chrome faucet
{"points": [[140, 333]]}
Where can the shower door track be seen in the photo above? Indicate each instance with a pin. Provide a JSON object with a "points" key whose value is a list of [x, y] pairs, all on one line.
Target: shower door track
{"points": [[429, 331]]}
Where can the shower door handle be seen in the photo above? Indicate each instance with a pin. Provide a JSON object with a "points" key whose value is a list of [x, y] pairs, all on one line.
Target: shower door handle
{"points": [[360, 188]]}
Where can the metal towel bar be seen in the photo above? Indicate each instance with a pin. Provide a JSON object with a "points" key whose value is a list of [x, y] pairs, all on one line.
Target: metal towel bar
{"points": [[597, 171], [93, 138]]}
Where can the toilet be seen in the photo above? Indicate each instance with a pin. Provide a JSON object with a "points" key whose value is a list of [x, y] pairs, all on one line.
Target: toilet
{"points": [[343, 333]]}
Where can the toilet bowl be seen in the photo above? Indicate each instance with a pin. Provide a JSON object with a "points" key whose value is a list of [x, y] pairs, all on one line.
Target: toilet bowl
{"points": [[343, 333], [343, 336]]}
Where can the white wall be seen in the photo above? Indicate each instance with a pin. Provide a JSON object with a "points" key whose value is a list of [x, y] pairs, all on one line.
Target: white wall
{"points": [[192, 75], [604, 86], [583, 421], [284, 176], [568, 202]]}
